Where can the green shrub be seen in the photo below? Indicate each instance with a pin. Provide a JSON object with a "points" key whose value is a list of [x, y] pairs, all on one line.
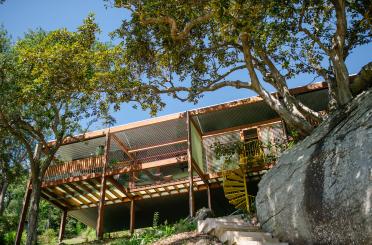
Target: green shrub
{"points": [[155, 219], [89, 234], [9, 238], [152, 234], [184, 225], [49, 236]]}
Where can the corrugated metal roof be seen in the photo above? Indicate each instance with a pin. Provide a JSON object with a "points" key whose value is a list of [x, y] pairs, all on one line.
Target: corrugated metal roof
{"points": [[173, 128]]}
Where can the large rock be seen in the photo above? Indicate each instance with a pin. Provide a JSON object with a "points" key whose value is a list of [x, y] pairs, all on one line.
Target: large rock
{"points": [[320, 191], [203, 213]]}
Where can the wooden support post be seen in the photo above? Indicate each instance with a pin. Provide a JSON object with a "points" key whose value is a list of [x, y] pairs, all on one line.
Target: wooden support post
{"points": [[190, 167], [209, 197], [101, 205], [132, 217], [99, 227], [22, 218], [62, 226]]}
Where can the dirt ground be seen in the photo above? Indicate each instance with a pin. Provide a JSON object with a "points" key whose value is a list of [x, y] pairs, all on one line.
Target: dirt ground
{"points": [[188, 238]]}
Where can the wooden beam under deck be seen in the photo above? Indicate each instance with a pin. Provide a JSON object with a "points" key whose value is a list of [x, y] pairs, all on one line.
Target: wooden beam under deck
{"points": [[54, 199], [170, 188], [81, 192], [119, 187], [80, 197], [98, 189], [83, 186], [180, 187]]}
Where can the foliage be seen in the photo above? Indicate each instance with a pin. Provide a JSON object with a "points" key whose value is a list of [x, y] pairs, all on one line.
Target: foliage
{"points": [[12, 165], [49, 216], [49, 86], [152, 234], [9, 219], [155, 219], [237, 148], [49, 236], [55, 85], [89, 234], [188, 49]]}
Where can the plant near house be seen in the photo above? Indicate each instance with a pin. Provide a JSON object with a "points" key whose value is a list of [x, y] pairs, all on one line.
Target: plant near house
{"points": [[155, 219], [158, 231], [238, 148]]}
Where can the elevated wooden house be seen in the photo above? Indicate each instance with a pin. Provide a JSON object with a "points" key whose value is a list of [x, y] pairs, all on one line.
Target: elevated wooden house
{"points": [[116, 178]]}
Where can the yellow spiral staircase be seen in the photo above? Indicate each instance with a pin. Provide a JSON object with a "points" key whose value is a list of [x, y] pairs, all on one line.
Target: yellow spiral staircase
{"points": [[235, 179]]}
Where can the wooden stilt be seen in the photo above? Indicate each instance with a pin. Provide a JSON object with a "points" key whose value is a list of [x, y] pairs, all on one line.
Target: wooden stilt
{"points": [[190, 168], [101, 206], [99, 228], [62, 226], [209, 197], [191, 194], [132, 217], [22, 218]]}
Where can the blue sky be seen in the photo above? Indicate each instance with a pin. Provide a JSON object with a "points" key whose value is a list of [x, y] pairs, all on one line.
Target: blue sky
{"points": [[20, 16]]}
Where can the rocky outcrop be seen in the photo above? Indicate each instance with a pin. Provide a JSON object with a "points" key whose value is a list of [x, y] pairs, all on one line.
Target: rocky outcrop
{"points": [[203, 213], [320, 191]]}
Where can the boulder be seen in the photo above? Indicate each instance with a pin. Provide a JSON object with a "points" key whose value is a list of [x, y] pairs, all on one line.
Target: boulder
{"points": [[203, 213], [320, 191]]}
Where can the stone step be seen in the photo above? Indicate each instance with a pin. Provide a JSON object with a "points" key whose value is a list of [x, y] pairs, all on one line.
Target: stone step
{"points": [[254, 236], [247, 241], [233, 218], [234, 230], [223, 227], [208, 225]]}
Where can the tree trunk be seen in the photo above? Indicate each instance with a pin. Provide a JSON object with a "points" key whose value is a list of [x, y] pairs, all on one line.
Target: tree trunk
{"points": [[295, 106], [337, 55], [4, 188], [343, 91], [290, 115], [34, 210], [275, 78]]}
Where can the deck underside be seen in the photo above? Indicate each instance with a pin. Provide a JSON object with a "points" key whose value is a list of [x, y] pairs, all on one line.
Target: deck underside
{"points": [[171, 208]]}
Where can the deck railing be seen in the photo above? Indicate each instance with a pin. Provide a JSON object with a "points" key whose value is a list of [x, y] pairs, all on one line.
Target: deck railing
{"points": [[74, 168], [252, 154], [94, 165]]}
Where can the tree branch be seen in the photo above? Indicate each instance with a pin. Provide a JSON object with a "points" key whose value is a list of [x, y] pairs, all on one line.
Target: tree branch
{"points": [[175, 34], [308, 33], [338, 39], [174, 90]]}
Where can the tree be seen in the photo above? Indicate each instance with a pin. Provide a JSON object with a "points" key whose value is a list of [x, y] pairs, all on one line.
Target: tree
{"points": [[11, 151], [12, 164], [51, 85], [206, 42]]}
